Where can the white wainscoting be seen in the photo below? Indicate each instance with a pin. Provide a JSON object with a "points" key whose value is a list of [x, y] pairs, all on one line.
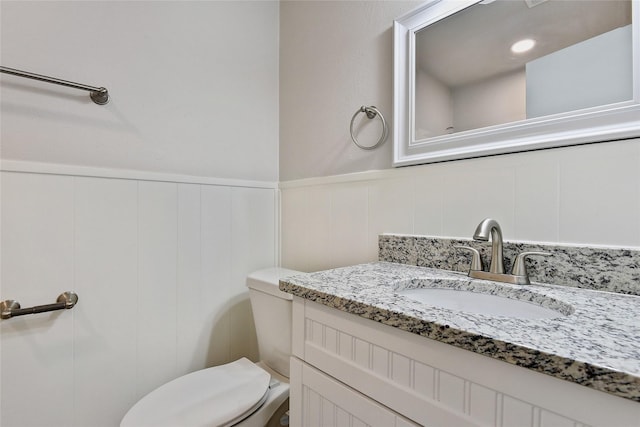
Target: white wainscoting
{"points": [[160, 271], [586, 195]]}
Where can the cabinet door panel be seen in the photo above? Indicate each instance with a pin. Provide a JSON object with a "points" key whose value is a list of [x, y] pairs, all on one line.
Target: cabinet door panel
{"points": [[325, 402]]}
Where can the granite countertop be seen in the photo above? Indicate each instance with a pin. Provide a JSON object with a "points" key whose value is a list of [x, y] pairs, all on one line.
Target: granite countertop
{"points": [[594, 341]]}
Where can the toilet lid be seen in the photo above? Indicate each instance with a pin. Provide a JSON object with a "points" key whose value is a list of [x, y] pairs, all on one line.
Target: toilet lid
{"points": [[216, 396]]}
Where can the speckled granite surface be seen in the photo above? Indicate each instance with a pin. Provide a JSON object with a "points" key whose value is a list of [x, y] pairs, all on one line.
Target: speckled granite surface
{"points": [[605, 269], [594, 341]]}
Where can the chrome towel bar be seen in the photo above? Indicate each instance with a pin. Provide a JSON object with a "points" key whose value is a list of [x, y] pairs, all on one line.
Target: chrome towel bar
{"points": [[99, 95], [10, 308]]}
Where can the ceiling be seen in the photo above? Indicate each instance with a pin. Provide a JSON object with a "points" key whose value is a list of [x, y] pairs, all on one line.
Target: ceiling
{"points": [[474, 43]]}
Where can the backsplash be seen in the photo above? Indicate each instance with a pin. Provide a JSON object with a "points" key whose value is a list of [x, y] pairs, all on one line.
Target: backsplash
{"points": [[603, 269]]}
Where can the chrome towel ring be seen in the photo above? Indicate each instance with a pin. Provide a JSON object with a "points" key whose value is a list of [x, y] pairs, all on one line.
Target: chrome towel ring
{"points": [[371, 113]]}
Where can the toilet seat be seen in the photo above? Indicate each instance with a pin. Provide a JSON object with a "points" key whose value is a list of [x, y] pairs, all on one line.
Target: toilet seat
{"points": [[218, 396]]}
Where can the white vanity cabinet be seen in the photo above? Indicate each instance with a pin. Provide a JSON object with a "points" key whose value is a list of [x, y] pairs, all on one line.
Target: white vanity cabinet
{"points": [[347, 370]]}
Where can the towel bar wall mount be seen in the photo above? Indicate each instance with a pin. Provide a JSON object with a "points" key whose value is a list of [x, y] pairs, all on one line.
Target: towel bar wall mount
{"points": [[11, 308]]}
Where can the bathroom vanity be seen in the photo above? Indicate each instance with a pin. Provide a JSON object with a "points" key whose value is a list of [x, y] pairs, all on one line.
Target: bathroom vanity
{"points": [[365, 352]]}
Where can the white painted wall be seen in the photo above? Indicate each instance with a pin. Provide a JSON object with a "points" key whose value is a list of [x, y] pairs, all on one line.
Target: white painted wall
{"points": [[194, 85], [434, 109], [153, 208], [493, 101], [335, 56]]}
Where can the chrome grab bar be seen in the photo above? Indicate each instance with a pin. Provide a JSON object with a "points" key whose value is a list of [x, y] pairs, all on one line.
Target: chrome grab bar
{"points": [[11, 308], [99, 95]]}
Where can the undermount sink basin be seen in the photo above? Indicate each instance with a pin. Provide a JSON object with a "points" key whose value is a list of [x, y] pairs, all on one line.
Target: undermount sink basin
{"points": [[484, 298]]}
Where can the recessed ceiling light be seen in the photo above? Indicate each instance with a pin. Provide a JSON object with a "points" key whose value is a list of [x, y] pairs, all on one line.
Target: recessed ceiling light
{"points": [[522, 46]]}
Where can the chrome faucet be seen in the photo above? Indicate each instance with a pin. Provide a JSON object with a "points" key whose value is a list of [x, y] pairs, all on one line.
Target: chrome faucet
{"points": [[519, 276], [491, 227]]}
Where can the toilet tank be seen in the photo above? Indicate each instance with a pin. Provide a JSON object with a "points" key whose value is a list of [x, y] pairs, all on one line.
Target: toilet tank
{"points": [[272, 317]]}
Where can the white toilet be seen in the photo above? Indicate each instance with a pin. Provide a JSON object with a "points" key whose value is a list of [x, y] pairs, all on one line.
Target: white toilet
{"points": [[240, 393]]}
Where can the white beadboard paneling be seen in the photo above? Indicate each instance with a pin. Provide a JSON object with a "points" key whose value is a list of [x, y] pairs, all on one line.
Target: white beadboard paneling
{"points": [[189, 307], [424, 379], [451, 391], [331, 339], [253, 215], [428, 196], [342, 418], [586, 195], [550, 419], [447, 386], [307, 327], [152, 264], [516, 412], [253, 246], [482, 404], [473, 192], [329, 412], [295, 392], [599, 194], [106, 273], [380, 361], [362, 352], [37, 236], [294, 205], [314, 411], [390, 210], [355, 422], [345, 346], [401, 369], [536, 198], [349, 225], [318, 239], [37, 352], [306, 228], [157, 234], [317, 333], [327, 402], [216, 271]]}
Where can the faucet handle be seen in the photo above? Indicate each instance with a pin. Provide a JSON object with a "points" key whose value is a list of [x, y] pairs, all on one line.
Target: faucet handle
{"points": [[519, 267], [476, 261]]}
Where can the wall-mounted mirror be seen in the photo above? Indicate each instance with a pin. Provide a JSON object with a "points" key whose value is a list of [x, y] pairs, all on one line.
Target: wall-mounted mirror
{"points": [[498, 76]]}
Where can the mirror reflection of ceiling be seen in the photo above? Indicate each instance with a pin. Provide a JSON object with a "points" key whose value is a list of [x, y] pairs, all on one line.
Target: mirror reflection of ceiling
{"points": [[475, 43]]}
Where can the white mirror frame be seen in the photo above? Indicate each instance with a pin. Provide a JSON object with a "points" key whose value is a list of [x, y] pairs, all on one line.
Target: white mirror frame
{"points": [[599, 124]]}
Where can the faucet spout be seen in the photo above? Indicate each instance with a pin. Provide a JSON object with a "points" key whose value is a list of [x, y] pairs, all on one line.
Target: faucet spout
{"points": [[490, 227]]}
